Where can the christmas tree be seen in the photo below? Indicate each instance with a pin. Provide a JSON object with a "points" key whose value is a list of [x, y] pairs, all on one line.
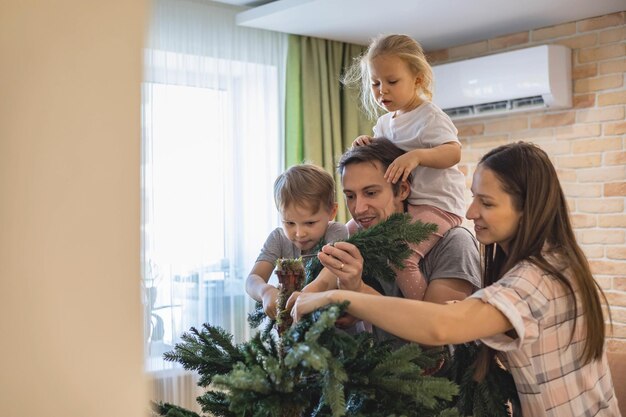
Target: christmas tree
{"points": [[313, 369]]}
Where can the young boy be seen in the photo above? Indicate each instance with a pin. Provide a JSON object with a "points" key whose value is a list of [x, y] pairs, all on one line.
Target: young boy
{"points": [[305, 197]]}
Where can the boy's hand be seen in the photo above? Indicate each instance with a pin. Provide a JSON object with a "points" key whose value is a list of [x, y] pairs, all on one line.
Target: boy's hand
{"points": [[269, 302], [362, 140], [402, 166]]}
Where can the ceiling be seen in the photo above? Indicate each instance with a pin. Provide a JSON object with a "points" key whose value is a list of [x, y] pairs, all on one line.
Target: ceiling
{"points": [[437, 24]]}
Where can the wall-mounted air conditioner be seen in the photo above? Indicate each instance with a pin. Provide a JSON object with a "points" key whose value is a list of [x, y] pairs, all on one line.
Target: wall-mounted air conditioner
{"points": [[534, 78]]}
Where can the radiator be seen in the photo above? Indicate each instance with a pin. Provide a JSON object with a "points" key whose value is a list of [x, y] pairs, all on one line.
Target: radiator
{"points": [[175, 386]]}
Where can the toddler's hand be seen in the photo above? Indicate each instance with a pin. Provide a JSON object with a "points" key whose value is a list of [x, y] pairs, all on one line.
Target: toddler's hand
{"points": [[362, 140], [402, 167]]}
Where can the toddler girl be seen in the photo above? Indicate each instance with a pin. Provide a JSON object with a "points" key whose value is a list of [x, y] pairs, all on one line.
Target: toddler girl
{"points": [[395, 76]]}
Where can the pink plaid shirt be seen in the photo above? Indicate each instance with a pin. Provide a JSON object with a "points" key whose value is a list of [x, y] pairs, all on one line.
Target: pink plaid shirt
{"points": [[550, 378]]}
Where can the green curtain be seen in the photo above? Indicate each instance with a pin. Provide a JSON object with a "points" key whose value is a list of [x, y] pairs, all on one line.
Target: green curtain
{"points": [[322, 117]]}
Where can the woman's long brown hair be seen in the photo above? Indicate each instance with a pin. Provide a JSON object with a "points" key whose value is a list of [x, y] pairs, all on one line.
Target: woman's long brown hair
{"points": [[527, 175]]}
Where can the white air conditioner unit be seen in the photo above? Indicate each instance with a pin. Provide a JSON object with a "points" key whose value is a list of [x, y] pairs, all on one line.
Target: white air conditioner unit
{"points": [[534, 78]]}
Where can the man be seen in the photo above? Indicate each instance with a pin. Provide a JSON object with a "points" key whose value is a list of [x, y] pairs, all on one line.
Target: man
{"points": [[452, 267]]}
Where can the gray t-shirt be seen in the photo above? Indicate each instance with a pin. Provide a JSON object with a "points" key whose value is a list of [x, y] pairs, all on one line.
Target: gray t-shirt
{"points": [[277, 245], [456, 255]]}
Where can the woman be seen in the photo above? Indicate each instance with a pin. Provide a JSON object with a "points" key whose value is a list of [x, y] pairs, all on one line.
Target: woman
{"points": [[540, 308]]}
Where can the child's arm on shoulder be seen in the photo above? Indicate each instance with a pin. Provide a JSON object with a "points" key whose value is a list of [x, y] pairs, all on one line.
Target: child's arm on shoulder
{"points": [[362, 140], [441, 157], [258, 288]]}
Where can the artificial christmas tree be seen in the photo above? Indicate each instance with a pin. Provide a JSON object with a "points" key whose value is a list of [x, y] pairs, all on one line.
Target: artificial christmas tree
{"points": [[312, 369]]}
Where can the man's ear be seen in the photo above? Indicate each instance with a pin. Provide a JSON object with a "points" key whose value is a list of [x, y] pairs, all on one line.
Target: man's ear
{"points": [[405, 190]]}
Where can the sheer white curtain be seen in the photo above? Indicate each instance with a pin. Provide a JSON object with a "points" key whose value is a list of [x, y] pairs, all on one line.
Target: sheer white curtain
{"points": [[212, 147]]}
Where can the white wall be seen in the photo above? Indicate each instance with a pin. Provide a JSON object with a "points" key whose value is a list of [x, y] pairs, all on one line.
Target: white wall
{"points": [[70, 310]]}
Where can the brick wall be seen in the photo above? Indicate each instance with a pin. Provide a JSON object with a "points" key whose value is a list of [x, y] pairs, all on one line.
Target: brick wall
{"points": [[587, 143]]}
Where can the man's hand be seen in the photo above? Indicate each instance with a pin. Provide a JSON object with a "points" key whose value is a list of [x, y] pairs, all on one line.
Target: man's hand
{"points": [[401, 168], [346, 321], [344, 260], [362, 140]]}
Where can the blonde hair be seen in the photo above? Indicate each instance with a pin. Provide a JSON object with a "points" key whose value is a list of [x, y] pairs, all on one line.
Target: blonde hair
{"points": [[402, 46], [305, 185]]}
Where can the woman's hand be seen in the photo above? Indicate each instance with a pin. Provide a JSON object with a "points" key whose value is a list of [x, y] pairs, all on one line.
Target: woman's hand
{"points": [[292, 300], [343, 322], [308, 302], [344, 260]]}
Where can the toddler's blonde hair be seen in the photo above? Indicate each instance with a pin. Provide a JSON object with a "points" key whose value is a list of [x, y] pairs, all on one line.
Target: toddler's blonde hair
{"points": [[402, 46]]}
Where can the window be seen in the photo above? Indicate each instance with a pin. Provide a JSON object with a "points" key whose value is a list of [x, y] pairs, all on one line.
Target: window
{"points": [[211, 152]]}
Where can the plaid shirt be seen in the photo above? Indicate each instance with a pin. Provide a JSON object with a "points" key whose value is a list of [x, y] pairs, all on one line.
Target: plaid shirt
{"points": [[549, 376]]}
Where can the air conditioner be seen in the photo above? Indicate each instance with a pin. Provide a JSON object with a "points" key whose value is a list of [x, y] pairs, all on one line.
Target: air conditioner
{"points": [[534, 78]]}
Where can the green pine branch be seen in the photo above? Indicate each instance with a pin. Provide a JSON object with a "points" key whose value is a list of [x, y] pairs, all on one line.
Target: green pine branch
{"points": [[216, 403], [171, 410], [313, 266], [209, 352], [387, 244], [488, 398]]}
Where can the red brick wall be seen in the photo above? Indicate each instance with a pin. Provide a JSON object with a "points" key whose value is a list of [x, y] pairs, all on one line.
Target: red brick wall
{"points": [[587, 143]]}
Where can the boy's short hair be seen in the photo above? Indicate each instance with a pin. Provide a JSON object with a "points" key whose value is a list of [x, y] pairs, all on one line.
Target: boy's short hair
{"points": [[305, 185]]}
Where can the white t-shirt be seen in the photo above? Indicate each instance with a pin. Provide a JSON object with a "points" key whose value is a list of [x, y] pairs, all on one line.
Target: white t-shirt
{"points": [[425, 127]]}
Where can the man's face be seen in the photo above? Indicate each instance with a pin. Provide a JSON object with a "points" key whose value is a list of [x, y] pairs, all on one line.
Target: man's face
{"points": [[368, 195]]}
